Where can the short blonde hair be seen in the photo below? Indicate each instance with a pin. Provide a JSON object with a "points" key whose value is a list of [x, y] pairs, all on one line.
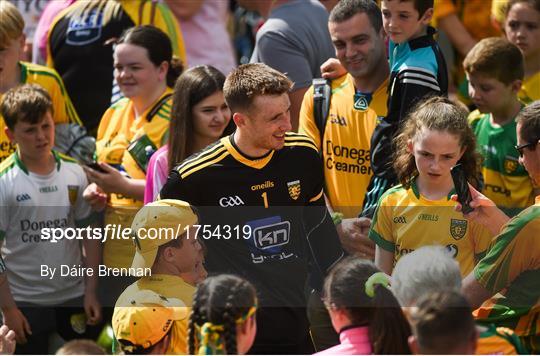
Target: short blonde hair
{"points": [[251, 80], [12, 24]]}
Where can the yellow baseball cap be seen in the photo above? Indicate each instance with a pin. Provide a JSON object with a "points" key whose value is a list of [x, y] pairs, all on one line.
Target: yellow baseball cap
{"points": [[146, 320], [157, 223]]}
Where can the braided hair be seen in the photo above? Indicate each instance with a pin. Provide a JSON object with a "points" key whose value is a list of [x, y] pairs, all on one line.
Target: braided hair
{"points": [[220, 303]]}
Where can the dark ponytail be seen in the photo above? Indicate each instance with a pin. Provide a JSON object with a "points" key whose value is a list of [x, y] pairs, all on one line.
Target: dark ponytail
{"points": [[158, 45], [219, 302], [345, 288], [389, 329]]}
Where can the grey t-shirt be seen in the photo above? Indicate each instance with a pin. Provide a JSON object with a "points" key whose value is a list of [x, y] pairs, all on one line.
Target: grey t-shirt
{"points": [[295, 40]]}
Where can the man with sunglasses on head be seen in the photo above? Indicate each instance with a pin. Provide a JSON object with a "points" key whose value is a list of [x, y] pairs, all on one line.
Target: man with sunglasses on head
{"points": [[505, 284]]}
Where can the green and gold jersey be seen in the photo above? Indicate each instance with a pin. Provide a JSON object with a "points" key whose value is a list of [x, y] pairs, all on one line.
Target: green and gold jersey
{"points": [[126, 143], [346, 142], [499, 341], [511, 268], [530, 89], [168, 286], [405, 221], [506, 182], [64, 112]]}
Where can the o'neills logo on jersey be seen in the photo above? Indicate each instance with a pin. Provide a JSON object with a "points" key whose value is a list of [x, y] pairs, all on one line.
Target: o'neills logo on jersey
{"points": [[265, 185], [294, 189], [73, 192], [49, 189]]}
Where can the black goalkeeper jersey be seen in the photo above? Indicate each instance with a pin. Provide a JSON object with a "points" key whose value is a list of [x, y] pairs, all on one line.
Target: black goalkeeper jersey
{"points": [[264, 219]]}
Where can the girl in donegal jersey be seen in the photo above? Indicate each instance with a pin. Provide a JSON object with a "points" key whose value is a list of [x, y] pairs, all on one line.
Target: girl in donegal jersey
{"points": [[419, 211], [129, 132], [222, 320]]}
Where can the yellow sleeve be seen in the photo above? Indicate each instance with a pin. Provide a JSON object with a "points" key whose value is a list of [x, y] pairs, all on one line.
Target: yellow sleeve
{"points": [[111, 149], [165, 21], [64, 111], [381, 226], [482, 239], [443, 8], [307, 120]]}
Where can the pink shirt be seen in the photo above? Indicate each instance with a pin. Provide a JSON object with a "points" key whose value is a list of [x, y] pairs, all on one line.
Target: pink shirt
{"points": [[156, 174], [353, 341], [206, 38], [53, 8]]}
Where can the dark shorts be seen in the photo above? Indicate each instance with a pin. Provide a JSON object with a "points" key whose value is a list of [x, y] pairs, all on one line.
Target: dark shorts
{"points": [[67, 319]]}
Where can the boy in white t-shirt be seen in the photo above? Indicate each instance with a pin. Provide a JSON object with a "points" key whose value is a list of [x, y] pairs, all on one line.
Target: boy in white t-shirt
{"points": [[39, 189]]}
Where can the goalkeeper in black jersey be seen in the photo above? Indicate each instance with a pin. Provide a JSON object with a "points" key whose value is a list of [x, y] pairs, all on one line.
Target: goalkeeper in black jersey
{"points": [[259, 193]]}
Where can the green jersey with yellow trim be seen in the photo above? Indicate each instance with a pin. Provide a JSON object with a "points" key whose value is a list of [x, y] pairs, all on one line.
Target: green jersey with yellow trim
{"points": [[264, 219], [405, 221], [511, 268], [506, 182]]}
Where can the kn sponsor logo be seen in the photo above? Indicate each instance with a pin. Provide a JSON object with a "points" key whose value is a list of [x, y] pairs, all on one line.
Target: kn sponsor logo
{"points": [[227, 202], [273, 235]]}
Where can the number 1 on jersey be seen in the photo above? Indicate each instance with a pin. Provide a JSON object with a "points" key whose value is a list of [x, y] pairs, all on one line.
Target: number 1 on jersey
{"points": [[265, 199]]}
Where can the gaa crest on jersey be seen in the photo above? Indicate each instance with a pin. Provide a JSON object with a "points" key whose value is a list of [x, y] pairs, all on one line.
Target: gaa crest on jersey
{"points": [[458, 228], [294, 189], [73, 192], [510, 164]]}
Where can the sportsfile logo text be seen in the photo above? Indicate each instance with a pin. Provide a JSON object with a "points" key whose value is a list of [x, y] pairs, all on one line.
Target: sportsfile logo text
{"points": [[109, 232], [117, 232]]}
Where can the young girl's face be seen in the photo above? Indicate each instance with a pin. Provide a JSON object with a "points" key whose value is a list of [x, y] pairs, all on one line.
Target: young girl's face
{"points": [[211, 116], [522, 27], [435, 152]]}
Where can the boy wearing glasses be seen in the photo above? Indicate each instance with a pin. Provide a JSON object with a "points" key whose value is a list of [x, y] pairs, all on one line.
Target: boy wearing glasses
{"points": [[495, 70]]}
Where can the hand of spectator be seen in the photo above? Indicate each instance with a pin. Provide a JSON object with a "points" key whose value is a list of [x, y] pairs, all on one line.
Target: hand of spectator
{"points": [[95, 197], [16, 321], [112, 181], [7, 341], [332, 69], [485, 211], [353, 234], [92, 308]]}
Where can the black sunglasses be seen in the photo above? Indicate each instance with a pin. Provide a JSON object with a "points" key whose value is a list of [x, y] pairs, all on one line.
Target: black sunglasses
{"points": [[520, 148]]}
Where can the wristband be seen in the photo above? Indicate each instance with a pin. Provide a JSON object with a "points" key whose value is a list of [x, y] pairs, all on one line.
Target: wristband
{"points": [[337, 218]]}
